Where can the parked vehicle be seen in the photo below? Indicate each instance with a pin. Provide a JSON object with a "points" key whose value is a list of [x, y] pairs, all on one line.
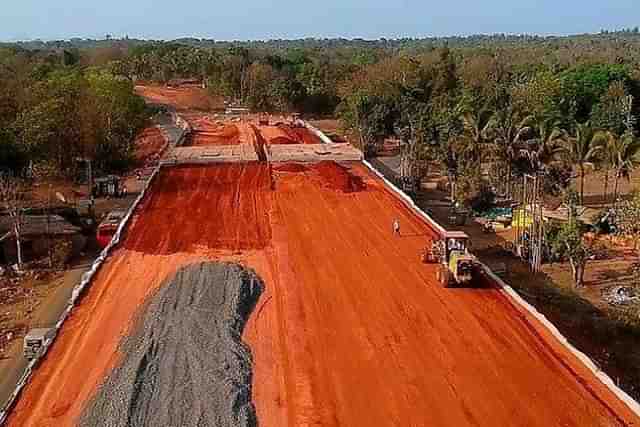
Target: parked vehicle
{"points": [[108, 227], [35, 342]]}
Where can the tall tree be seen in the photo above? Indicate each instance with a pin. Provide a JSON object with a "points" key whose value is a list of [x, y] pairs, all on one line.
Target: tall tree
{"points": [[570, 242], [476, 126], [582, 149], [614, 111], [625, 156], [12, 192], [510, 127], [608, 160], [546, 144]]}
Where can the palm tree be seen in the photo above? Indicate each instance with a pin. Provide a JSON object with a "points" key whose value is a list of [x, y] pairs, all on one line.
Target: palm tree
{"points": [[510, 127], [548, 143], [583, 148], [476, 127], [625, 156]]}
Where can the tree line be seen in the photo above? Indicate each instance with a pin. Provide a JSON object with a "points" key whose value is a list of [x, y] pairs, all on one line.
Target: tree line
{"points": [[54, 109], [520, 104], [474, 112]]}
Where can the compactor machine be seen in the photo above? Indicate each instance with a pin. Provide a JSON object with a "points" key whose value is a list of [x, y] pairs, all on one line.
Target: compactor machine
{"points": [[456, 266]]}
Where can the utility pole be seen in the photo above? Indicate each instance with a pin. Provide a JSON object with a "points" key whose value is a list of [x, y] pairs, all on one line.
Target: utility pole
{"points": [[90, 179], [18, 229], [530, 223], [49, 228]]}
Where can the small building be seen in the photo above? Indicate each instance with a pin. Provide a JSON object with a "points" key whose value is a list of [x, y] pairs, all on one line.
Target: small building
{"points": [[38, 234], [108, 186]]}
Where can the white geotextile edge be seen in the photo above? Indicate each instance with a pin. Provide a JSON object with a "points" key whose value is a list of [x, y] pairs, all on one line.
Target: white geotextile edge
{"points": [[405, 198], [506, 289], [516, 299], [85, 281], [601, 375], [317, 132]]}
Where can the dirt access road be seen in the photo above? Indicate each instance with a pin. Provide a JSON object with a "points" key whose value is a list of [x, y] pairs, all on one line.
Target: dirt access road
{"points": [[46, 314], [352, 329]]}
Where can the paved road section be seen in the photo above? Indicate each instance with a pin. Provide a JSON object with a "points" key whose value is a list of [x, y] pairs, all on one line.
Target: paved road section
{"points": [[352, 329]]}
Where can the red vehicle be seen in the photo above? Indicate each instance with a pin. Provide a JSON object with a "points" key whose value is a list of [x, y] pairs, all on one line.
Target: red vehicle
{"points": [[108, 227]]}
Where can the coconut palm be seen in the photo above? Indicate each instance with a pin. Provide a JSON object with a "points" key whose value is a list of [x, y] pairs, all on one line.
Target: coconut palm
{"points": [[476, 125], [625, 153], [550, 137], [544, 148], [583, 148], [510, 127]]}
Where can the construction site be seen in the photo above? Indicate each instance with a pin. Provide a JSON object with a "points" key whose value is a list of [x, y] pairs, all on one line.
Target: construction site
{"points": [[269, 276]]}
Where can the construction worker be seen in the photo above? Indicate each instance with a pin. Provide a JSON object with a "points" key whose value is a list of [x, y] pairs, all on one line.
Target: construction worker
{"points": [[396, 227]]}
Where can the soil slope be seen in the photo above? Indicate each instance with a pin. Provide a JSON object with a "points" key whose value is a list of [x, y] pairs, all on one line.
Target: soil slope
{"points": [[352, 329]]}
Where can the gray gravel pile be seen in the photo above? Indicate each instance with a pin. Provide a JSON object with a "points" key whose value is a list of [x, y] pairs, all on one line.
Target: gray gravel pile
{"points": [[185, 363]]}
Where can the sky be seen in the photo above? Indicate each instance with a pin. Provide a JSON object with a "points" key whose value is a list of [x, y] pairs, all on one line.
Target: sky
{"points": [[286, 19]]}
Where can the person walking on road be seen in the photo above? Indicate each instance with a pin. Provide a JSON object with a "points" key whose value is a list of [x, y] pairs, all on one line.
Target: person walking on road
{"points": [[396, 227]]}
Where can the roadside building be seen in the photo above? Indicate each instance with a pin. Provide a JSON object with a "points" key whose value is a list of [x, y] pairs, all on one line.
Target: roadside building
{"points": [[38, 234]]}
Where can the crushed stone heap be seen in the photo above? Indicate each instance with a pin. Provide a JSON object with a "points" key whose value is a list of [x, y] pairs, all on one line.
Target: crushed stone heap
{"points": [[184, 363]]}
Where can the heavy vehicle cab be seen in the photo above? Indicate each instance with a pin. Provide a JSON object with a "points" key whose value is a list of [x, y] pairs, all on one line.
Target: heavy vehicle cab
{"points": [[455, 264]]}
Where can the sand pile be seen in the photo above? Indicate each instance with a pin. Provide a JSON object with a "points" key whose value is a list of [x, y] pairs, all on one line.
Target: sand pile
{"points": [[339, 177], [185, 363]]}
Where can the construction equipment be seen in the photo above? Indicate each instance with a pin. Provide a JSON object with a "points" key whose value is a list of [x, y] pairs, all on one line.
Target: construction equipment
{"points": [[456, 266], [433, 253], [36, 341]]}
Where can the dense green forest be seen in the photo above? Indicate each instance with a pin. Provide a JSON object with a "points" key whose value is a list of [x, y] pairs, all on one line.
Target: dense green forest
{"points": [[54, 109], [521, 103]]}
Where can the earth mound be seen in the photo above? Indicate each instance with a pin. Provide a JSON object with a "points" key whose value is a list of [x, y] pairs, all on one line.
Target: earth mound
{"points": [[339, 177]]}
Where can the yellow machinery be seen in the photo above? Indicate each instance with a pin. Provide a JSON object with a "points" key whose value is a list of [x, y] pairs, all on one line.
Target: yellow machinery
{"points": [[456, 265]]}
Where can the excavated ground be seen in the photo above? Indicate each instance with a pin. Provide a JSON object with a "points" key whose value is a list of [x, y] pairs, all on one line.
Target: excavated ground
{"points": [[284, 134], [186, 97], [206, 131], [185, 363], [149, 146], [210, 132], [352, 328]]}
